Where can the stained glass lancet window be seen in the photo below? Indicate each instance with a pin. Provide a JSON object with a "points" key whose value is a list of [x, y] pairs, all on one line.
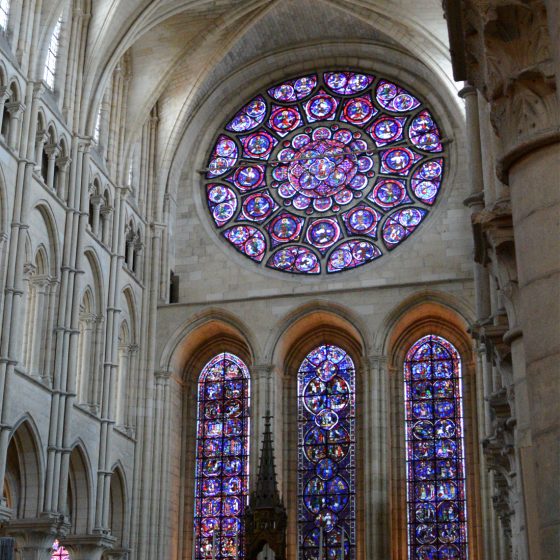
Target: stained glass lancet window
{"points": [[52, 54], [222, 458], [59, 552], [325, 172], [326, 463], [436, 500]]}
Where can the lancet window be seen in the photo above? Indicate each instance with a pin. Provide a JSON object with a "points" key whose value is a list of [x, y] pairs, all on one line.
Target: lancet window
{"points": [[326, 455], [435, 464], [52, 54], [222, 458], [4, 13]]}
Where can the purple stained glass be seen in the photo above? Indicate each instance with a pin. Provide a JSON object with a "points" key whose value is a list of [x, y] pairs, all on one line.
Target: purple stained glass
{"points": [[347, 83], [395, 98], [250, 116], [221, 487], [436, 500], [400, 224], [295, 259], [424, 133], [306, 174], [294, 90], [326, 455], [248, 240], [58, 552]]}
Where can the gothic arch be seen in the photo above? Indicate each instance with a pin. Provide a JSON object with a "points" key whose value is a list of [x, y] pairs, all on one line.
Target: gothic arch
{"points": [[80, 490], [25, 468], [205, 332], [454, 309], [45, 210], [119, 514], [131, 309], [318, 317], [97, 279], [304, 329], [191, 347], [408, 323]]}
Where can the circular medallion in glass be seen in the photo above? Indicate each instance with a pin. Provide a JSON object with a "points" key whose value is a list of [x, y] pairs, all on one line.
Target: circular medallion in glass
{"points": [[324, 172]]}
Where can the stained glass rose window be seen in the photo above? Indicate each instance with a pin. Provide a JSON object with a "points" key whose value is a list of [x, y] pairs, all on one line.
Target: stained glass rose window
{"points": [[324, 172]]}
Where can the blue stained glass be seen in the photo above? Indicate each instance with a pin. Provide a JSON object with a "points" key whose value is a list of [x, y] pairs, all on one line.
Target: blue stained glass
{"points": [[222, 462], [326, 481], [436, 501], [324, 172]]}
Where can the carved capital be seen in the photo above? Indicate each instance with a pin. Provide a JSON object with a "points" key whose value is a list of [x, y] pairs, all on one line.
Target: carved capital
{"points": [[503, 48], [63, 163], [15, 108]]}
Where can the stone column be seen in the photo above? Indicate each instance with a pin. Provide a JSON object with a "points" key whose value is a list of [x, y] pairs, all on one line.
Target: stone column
{"points": [[129, 254], [15, 109], [535, 213], [61, 186], [52, 151], [137, 255], [41, 138], [122, 386], [96, 201], [506, 50], [376, 455], [106, 212]]}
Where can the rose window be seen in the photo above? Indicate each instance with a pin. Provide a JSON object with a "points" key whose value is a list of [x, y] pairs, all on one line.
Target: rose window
{"points": [[325, 172]]}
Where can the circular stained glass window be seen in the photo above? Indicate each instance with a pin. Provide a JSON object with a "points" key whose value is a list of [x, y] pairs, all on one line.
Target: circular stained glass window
{"points": [[325, 172]]}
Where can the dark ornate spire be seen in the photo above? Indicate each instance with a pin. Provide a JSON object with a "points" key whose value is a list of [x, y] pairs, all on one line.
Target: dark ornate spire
{"points": [[265, 518], [266, 493]]}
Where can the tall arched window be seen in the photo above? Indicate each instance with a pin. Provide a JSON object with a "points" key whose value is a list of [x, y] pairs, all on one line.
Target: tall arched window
{"points": [[326, 455], [436, 501], [4, 13], [52, 54], [222, 458]]}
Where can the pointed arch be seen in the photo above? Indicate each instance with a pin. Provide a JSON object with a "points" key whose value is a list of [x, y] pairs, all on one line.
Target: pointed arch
{"points": [[80, 490], [24, 473], [118, 506], [45, 210], [191, 345], [412, 322], [311, 324], [98, 281]]}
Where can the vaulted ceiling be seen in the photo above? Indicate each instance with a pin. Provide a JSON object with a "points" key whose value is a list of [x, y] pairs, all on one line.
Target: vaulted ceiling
{"points": [[181, 50]]}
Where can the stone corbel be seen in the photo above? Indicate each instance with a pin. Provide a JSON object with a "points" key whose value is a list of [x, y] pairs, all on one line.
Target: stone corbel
{"points": [[89, 547], [35, 536], [116, 554], [29, 269]]}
